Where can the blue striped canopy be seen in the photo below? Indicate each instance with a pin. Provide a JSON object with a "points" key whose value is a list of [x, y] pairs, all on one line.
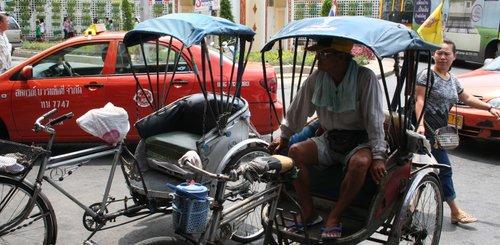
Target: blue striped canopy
{"points": [[187, 28], [383, 37]]}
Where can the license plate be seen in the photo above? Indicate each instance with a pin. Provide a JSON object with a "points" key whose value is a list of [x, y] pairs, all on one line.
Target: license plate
{"points": [[454, 119]]}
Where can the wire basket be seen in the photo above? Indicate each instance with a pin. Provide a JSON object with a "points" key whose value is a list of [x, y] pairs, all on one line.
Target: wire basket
{"points": [[25, 155], [190, 215]]}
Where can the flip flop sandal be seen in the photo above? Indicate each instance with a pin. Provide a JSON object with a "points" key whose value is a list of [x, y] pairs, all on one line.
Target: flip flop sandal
{"points": [[316, 221], [463, 218], [326, 233]]}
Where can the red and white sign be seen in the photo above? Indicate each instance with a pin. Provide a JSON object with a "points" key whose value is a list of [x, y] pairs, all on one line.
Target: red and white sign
{"points": [[205, 5]]}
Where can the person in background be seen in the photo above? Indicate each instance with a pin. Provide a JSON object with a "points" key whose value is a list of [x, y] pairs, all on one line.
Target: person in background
{"points": [[106, 23], [111, 27], [347, 99], [38, 33], [42, 30], [445, 92], [66, 28], [5, 46], [71, 28]]}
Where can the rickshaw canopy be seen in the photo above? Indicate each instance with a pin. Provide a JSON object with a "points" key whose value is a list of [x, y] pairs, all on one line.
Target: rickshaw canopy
{"points": [[384, 38], [190, 29]]}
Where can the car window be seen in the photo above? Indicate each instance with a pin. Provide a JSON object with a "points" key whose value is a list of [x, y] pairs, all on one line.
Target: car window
{"points": [[78, 60], [13, 24], [151, 59], [493, 65]]}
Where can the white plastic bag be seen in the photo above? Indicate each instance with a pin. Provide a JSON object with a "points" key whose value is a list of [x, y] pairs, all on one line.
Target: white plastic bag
{"points": [[109, 123]]}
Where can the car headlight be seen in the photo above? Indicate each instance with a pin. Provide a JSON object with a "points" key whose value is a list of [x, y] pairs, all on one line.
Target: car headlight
{"points": [[495, 102]]}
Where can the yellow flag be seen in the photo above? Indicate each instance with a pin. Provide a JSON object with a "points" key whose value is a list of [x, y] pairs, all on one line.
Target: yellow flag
{"points": [[432, 28]]}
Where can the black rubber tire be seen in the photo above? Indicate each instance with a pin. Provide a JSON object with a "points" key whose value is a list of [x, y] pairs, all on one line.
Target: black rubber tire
{"points": [[163, 240], [422, 217], [252, 220], [39, 228]]}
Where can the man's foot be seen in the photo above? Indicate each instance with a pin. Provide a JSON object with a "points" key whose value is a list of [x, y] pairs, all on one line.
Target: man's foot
{"points": [[328, 234], [462, 218], [299, 224]]}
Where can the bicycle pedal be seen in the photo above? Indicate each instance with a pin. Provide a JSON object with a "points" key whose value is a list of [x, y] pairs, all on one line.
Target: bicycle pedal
{"points": [[90, 242]]}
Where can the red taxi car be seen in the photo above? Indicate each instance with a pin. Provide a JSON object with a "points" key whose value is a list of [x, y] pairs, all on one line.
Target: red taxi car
{"points": [[84, 73], [484, 83]]}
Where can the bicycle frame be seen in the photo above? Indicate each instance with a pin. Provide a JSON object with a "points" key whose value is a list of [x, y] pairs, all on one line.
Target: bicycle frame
{"points": [[78, 158]]}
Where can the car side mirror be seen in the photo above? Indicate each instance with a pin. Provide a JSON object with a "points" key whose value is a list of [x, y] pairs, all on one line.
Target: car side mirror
{"points": [[27, 73], [487, 61]]}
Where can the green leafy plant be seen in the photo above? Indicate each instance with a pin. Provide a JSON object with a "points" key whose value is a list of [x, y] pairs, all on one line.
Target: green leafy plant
{"points": [[299, 11], [38, 46], [225, 10], [362, 54], [325, 7], [158, 9], [313, 8], [128, 22]]}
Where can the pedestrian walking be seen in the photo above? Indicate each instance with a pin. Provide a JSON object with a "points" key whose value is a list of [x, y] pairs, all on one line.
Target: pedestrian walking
{"points": [[106, 23], [445, 92], [5, 46], [111, 26], [42, 30], [66, 28], [71, 28], [38, 32]]}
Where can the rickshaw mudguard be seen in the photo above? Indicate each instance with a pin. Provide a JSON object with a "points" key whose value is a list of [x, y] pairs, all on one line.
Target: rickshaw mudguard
{"points": [[235, 149]]}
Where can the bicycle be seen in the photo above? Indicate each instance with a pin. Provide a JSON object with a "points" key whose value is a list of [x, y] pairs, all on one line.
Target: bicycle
{"points": [[26, 214]]}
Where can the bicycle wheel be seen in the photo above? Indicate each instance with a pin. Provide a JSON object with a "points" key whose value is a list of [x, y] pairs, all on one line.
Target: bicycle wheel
{"points": [[246, 228], [40, 226], [163, 240], [422, 217]]}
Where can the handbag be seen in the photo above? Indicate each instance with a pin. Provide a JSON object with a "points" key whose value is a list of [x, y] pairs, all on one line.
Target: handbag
{"points": [[446, 138]]}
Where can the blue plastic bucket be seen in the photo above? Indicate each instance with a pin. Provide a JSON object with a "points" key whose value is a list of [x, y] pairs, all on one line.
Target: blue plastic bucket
{"points": [[190, 207]]}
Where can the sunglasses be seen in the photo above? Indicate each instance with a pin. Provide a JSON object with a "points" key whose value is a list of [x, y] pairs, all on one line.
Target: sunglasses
{"points": [[326, 54]]}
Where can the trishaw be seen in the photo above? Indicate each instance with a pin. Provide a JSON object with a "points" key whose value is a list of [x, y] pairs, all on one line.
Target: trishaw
{"points": [[407, 206], [214, 123]]}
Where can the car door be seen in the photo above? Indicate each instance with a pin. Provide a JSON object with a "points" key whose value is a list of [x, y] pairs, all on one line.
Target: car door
{"points": [[125, 85], [69, 80]]}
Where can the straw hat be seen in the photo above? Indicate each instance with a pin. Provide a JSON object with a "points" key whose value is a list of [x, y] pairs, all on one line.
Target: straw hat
{"points": [[324, 44]]}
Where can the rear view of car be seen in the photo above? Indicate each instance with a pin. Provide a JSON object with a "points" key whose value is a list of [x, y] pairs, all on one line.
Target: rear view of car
{"points": [[14, 34]]}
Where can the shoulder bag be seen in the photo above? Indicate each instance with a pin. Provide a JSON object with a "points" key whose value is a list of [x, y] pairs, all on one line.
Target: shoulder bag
{"points": [[446, 137]]}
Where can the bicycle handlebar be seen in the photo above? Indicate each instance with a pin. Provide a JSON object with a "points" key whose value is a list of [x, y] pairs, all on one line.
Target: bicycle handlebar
{"points": [[250, 170], [38, 126], [60, 119]]}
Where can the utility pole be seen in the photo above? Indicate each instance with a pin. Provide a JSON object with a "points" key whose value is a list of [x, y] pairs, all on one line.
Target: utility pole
{"points": [[145, 10]]}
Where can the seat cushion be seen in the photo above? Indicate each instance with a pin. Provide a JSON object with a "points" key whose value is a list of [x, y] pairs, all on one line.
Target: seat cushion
{"points": [[171, 145]]}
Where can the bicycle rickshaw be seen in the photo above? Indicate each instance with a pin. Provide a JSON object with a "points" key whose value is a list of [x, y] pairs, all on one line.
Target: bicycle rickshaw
{"points": [[407, 206], [214, 123]]}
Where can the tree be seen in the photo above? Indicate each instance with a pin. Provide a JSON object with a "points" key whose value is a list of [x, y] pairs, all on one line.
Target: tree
{"points": [[226, 13], [225, 10], [128, 22], [325, 7]]}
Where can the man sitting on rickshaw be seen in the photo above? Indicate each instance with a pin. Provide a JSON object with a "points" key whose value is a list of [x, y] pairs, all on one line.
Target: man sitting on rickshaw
{"points": [[347, 99]]}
